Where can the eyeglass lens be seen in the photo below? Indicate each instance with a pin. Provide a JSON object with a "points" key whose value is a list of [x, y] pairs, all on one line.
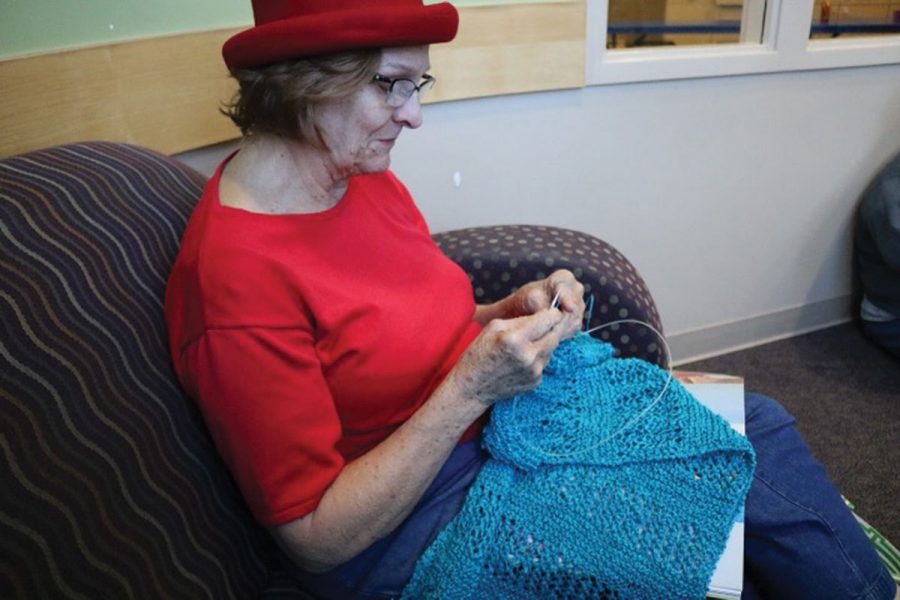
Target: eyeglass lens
{"points": [[402, 89]]}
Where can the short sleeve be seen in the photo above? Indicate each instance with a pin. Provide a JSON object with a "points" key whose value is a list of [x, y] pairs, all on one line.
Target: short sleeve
{"points": [[271, 415]]}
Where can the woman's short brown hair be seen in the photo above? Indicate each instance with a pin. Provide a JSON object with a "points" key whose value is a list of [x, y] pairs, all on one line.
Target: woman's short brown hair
{"points": [[283, 98]]}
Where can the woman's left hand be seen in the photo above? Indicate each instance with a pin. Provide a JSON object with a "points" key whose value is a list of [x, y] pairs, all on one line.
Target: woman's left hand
{"points": [[560, 286]]}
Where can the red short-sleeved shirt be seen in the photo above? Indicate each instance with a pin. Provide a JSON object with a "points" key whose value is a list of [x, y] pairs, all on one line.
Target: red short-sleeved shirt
{"points": [[307, 339]]}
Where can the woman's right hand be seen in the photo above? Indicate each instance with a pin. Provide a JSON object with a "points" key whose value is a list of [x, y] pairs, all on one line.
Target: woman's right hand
{"points": [[509, 356]]}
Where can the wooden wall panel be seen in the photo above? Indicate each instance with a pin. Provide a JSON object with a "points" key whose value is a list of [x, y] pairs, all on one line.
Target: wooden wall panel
{"points": [[161, 93], [512, 49], [164, 92]]}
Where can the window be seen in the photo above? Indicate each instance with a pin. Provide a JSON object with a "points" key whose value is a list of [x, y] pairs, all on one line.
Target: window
{"points": [[854, 18], [650, 40], [684, 22]]}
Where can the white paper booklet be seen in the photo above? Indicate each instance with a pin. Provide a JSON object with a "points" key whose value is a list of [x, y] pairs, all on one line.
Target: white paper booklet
{"points": [[723, 394]]}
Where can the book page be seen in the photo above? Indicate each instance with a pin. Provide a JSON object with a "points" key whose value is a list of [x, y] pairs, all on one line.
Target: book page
{"points": [[724, 395]]}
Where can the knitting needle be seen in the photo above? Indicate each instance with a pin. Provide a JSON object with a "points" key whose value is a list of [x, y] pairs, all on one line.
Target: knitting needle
{"points": [[555, 303]]}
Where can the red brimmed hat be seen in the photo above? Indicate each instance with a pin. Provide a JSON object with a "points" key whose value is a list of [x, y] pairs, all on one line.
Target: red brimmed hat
{"points": [[287, 29]]}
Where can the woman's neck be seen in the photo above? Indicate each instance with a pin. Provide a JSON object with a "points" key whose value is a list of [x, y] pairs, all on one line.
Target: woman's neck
{"points": [[276, 176]]}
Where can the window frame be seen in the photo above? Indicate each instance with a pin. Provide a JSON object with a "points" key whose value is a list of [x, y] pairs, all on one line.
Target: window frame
{"points": [[785, 46]]}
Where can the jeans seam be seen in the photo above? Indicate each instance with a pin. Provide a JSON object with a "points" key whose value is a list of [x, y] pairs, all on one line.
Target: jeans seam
{"points": [[825, 522], [866, 594]]}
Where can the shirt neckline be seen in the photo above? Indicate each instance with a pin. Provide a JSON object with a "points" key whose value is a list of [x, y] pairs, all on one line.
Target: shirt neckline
{"points": [[215, 200]]}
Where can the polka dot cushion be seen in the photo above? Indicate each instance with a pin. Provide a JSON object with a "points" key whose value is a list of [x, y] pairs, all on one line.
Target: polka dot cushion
{"points": [[500, 259]]}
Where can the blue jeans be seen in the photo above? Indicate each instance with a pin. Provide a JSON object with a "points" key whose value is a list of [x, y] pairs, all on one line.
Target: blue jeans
{"points": [[382, 570], [801, 541]]}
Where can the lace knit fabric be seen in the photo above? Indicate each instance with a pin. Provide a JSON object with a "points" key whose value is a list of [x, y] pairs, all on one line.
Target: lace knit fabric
{"points": [[587, 496]]}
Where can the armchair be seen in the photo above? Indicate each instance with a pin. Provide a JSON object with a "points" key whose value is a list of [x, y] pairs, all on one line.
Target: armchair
{"points": [[112, 486], [501, 258]]}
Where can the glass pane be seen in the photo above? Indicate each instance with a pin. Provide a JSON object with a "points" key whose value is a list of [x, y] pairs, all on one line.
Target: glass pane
{"points": [[853, 18], [634, 23]]}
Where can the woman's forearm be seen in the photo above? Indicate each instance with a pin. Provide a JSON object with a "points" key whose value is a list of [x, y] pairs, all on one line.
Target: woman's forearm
{"points": [[375, 493]]}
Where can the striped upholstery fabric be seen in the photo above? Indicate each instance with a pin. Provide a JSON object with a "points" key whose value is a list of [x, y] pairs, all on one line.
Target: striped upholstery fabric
{"points": [[501, 258], [111, 487]]}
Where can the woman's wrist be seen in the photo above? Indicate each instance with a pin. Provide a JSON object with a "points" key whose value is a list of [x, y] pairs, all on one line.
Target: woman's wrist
{"points": [[457, 402]]}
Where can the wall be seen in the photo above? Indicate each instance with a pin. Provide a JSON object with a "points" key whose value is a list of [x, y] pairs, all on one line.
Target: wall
{"points": [[163, 91], [734, 196], [31, 26], [34, 26]]}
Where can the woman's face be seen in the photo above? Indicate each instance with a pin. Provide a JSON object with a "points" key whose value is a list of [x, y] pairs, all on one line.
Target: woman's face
{"points": [[360, 131]]}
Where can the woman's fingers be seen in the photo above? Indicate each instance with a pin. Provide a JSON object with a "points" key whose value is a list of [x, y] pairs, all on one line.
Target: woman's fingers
{"points": [[535, 297], [560, 290], [510, 355], [537, 326], [530, 340], [568, 296], [566, 291]]}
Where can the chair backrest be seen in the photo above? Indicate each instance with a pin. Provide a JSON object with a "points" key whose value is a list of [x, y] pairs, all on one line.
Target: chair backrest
{"points": [[501, 258], [111, 486]]}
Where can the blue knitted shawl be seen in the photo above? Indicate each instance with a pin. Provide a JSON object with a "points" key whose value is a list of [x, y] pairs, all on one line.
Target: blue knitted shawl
{"points": [[594, 491]]}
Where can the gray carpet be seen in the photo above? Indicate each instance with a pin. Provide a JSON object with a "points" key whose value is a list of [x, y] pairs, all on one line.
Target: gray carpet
{"points": [[845, 394]]}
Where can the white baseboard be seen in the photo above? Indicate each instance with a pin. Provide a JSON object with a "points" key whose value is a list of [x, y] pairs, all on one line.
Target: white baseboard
{"points": [[723, 338]]}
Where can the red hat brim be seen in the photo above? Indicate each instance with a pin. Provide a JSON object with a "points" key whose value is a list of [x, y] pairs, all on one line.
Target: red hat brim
{"points": [[372, 27]]}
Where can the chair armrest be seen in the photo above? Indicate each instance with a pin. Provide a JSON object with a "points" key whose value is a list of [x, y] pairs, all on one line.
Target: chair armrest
{"points": [[499, 259]]}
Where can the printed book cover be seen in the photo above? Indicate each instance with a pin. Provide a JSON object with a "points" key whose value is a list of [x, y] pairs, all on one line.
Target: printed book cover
{"points": [[723, 394]]}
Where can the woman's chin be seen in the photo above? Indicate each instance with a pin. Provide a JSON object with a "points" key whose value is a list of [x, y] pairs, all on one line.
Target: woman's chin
{"points": [[376, 164]]}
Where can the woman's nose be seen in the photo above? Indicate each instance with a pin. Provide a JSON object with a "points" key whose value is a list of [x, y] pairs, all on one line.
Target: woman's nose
{"points": [[410, 112]]}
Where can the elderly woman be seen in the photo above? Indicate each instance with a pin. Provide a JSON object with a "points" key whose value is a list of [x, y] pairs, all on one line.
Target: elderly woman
{"points": [[338, 357]]}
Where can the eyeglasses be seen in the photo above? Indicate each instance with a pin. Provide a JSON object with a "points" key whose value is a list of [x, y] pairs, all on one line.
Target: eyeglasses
{"points": [[401, 90]]}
